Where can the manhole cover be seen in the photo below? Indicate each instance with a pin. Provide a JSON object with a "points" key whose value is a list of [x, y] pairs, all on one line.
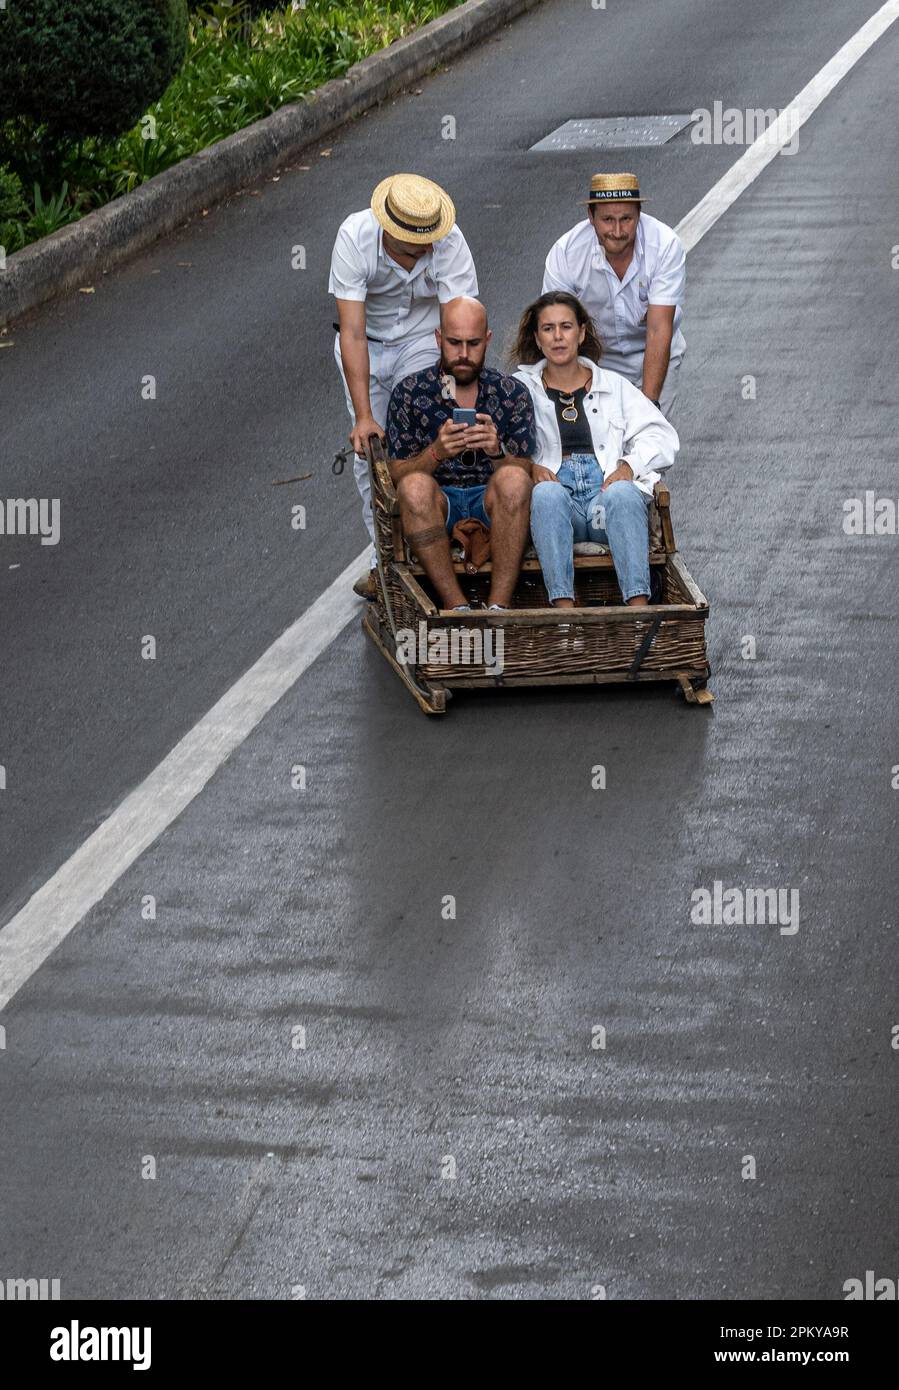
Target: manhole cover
{"points": [[612, 132]]}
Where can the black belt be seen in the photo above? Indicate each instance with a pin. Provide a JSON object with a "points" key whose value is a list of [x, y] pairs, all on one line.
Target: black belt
{"points": [[336, 327], [643, 649]]}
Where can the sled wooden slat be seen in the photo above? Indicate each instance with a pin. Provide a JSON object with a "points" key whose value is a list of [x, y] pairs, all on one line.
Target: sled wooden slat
{"points": [[532, 566], [415, 591]]}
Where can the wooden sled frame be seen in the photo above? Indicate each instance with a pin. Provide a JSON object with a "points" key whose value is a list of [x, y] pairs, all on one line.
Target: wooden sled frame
{"points": [[601, 643]]}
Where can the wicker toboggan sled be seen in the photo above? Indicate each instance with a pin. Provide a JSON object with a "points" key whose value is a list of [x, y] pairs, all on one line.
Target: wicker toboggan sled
{"points": [[600, 641]]}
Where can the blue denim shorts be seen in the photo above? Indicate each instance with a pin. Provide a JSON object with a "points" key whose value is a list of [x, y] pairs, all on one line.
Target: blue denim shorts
{"points": [[465, 502]]}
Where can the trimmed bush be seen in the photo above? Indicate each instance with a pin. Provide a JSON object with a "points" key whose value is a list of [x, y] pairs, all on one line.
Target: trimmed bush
{"points": [[12, 196], [235, 72], [75, 70], [12, 205]]}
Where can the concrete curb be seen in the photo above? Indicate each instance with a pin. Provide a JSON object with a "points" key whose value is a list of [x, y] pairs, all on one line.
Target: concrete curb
{"points": [[76, 255]]}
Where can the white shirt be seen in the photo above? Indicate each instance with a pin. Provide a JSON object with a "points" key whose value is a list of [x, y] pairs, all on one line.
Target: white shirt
{"points": [[399, 303], [624, 424], [656, 275]]}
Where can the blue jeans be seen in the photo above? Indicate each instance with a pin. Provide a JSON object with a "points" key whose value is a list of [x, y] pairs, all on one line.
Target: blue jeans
{"points": [[579, 511], [465, 502]]}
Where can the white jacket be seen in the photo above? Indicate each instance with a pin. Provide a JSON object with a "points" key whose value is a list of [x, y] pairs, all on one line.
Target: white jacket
{"points": [[623, 422]]}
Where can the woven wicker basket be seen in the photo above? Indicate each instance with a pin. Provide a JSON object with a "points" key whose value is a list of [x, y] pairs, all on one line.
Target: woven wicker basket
{"points": [[599, 641]]}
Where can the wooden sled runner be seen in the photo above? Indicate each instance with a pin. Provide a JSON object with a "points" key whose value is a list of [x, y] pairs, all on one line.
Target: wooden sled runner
{"points": [[600, 641]]}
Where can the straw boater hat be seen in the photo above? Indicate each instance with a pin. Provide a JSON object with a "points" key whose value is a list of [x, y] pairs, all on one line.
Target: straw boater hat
{"points": [[413, 209], [613, 188]]}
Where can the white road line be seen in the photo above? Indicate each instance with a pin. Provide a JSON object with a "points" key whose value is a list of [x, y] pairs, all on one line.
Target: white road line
{"points": [[48, 917], [759, 155]]}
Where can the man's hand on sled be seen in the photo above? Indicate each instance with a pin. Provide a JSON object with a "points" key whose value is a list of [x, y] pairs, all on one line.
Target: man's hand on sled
{"points": [[364, 426]]}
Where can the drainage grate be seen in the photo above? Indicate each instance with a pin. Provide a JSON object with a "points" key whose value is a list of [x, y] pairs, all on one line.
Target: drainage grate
{"points": [[612, 132]]}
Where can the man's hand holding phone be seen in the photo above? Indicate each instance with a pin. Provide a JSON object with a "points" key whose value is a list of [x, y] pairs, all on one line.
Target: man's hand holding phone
{"points": [[466, 430], [450, 440], [480, 432]]}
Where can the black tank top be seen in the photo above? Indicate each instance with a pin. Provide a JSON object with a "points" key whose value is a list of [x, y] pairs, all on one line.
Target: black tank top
{"points": [[576, 436]]}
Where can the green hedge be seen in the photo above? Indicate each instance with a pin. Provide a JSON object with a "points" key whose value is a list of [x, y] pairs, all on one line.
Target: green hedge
{"points": [[87, 69], [238, 68]]}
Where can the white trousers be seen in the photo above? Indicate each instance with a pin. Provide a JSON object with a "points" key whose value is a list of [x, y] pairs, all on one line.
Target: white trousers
{"points": [[630, 366], [388, 364]]}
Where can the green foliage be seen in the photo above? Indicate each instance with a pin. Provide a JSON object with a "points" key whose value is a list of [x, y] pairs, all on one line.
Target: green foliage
{"points": [[238, 68], [70, 71], [251, 8], [12, 205], [12, 195], [49, 216]]}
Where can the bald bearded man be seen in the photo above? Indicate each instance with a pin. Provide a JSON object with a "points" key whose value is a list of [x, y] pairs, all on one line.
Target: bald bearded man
{"points": [[445, 473]]}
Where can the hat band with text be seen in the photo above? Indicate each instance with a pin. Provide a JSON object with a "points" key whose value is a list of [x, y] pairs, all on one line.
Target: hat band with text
{"points": [[410, 226], [620, 195]]}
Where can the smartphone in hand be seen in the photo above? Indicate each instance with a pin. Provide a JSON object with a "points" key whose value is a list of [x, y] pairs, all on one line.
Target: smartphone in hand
{"points": [[464, 417]]}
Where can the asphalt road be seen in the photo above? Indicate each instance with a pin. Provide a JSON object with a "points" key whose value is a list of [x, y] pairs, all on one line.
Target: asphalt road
{"points": [[471, 1039]]}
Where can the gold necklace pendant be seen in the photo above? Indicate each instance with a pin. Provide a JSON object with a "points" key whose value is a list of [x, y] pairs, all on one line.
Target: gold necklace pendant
{"points": [[569, 411]]}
